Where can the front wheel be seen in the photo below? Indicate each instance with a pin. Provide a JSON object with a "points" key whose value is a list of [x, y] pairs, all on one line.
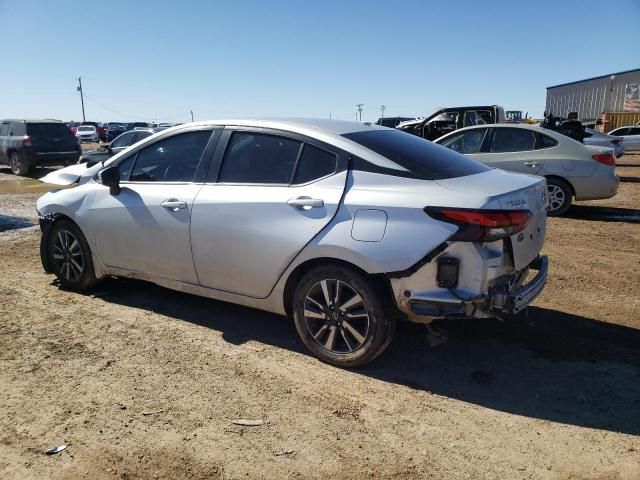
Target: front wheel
{"points": [[70, 256], [559, 196], [340, 316]]}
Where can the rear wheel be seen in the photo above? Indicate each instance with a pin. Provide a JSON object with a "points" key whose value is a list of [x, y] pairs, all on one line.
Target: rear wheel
{"points": [[70, 256], [339, 315], [559, 196], [19, 166]]}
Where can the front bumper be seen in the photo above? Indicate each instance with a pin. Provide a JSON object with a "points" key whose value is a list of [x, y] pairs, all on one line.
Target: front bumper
{"points": [[507, 296]]}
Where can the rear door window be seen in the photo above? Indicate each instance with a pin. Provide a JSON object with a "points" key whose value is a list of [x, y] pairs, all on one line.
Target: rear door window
{"points": [[512, 140], [418, 158], [259, 158], [476, 117], [314, 163], [466, 142], [619, 132]]}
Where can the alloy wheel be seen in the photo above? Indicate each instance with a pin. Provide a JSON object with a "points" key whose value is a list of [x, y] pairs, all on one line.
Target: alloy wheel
{"points": [[16, 163], [336, 316], [67, 255], [556, 197]]}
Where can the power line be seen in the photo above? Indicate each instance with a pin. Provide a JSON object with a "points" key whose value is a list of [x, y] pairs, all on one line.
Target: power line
{"points": [[134, 116]]}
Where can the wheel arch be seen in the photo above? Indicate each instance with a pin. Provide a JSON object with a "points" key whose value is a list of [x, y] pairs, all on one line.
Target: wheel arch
{"points": [[381, 281], [46, 223], [564, 180]]}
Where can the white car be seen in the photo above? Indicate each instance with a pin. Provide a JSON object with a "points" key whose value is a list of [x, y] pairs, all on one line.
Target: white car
{"points": [[630, 137], [339, 224], [87, 133], [571, 168], [594, 137]]}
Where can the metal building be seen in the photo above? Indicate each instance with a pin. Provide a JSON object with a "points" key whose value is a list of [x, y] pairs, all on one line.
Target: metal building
{"points": [[616, 92]]}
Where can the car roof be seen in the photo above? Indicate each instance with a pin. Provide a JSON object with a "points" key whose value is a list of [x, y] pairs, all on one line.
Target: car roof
{"points": [[22, 120], [300, 125], [535, 128]]}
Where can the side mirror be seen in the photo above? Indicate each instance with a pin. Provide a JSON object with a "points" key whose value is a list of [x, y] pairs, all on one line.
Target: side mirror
{"points": [[110, 177]]}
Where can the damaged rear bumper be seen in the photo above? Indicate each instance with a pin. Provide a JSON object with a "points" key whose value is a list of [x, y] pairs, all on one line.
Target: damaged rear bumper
{"points": [[507, 296]]}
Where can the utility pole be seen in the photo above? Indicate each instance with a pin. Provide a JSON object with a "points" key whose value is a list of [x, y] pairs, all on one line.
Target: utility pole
{"points": [[382, 109], [359, 105], [79, 89], [191, 115]]}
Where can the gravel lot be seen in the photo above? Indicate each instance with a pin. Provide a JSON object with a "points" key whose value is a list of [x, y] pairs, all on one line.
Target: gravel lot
{"points": [[143, 382]]}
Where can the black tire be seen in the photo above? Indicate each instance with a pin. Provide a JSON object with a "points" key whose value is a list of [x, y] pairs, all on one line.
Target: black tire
{"points": [[361, 329], [19, 166], [69, 256], [560, 196]]}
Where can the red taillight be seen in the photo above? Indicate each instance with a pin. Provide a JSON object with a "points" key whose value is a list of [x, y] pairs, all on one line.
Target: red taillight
{"points": [[481, 225], [26, 141], [605, 159]]}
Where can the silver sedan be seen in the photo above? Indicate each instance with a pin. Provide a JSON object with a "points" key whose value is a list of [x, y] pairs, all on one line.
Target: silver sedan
{"points": [[341, 225], [572, 169]]}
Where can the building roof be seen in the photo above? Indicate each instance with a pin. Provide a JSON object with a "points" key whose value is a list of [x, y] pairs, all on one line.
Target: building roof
{"points": [[594, 78]]}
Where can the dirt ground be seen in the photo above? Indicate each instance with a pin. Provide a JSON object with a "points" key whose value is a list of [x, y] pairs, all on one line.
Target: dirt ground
{"points": [[142, 382]]}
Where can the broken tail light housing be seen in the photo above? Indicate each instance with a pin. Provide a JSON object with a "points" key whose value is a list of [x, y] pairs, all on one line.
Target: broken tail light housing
{"points": [[481, 225], [605, 159], [26, 141]]}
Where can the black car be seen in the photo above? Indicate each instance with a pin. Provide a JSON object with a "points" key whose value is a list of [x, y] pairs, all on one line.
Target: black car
{"points": [[105, 152], [132, 125], [392, 122], [30, 143], [447, 120], [114, 130]]}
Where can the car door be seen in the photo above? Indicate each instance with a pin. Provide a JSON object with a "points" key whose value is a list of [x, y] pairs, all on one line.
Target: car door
{"points": [[145, 228], [632, 139], [267, 196], [512, 149]]}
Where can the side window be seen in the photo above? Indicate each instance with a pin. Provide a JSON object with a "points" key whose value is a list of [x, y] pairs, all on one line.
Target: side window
{"points": [[476, 117], [620, 132], [4, 129], [124, 167], [634, 131], [123, 140], [174, 159], [141, 136], [466, 142], [512, 140], [259, 158], [314, 163], [545, 141]]}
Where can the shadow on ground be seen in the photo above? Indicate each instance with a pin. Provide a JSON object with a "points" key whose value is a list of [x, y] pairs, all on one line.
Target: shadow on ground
{"points": [[8, 222], [603, 214], [554, 366]]}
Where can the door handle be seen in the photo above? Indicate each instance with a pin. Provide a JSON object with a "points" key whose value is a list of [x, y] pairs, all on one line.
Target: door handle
{"points": [[306, 202], [173, 204], [531, 164]]}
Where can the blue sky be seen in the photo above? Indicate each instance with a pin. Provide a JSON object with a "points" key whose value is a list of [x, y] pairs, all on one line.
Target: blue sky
{"points": [[160, 59]]}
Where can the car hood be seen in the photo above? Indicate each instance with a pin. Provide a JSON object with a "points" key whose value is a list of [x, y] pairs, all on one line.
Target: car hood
{"points": [[78, 173]]}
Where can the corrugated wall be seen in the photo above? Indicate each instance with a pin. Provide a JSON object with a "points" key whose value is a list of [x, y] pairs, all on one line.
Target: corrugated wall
{"points": [[591, 97]]}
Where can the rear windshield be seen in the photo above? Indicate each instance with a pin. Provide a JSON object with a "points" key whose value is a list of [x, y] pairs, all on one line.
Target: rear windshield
{"points": [[54, 130], [423, 159]]}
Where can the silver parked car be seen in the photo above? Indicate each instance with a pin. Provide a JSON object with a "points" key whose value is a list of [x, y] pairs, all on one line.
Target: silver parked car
{"points": [[594, 137], [571, 168], [341, 225], [630, 137]]}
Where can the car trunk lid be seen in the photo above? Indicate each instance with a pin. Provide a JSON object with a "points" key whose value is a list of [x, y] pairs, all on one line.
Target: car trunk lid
{"points": [[509, 191]]}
